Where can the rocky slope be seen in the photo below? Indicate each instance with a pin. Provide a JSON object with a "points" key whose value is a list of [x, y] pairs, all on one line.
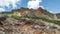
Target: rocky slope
{"points": [[40, 12], [9, 25], [26, 26]]}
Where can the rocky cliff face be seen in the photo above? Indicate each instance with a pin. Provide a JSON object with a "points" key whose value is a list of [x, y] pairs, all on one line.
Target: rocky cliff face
{"points": [[26, 26], [40, 10]]}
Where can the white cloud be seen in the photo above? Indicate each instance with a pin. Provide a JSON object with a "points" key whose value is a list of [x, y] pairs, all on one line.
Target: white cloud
{"points": [[51, 11], [42, 7], [54, 12], [58, 11], [2, 9], [6, 3], [34, 4]]}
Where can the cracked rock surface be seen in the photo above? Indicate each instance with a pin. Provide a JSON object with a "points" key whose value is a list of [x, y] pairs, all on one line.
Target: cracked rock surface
{"points": [[25, 26]]}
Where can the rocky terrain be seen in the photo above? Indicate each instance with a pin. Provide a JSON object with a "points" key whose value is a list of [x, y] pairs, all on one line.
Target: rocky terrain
{"points": [[29, 21], [26, 26]]}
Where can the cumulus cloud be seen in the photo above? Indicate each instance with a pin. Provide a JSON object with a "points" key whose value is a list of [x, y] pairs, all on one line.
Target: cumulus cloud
{"points": [[34, 4], [2, 9], [7, 3]]}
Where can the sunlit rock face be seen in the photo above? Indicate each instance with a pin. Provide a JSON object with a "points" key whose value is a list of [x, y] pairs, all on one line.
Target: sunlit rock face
{"points": [[25, 26], [40, 10]]}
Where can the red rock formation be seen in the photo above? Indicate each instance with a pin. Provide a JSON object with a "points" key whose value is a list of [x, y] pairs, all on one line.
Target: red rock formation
{"points": [[39, 10]]}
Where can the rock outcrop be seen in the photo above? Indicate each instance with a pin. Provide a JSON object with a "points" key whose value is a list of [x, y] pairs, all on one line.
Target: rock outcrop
{"points": [[25, 26]]}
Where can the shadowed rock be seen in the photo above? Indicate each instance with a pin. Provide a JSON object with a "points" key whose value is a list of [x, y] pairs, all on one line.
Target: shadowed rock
{"points": [[2, 19]]}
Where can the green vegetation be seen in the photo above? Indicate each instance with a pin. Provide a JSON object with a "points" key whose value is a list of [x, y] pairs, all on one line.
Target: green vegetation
{"points": [[35, 17], [43, 19]]}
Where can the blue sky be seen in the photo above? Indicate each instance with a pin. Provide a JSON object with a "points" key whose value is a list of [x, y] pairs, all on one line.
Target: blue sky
{"points": [[52, 6]]}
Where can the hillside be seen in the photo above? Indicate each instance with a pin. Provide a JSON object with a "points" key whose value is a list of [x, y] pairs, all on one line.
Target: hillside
{"points": [[58, 15], [39, 14], [29, 21], [34, 12], [26, 26]]}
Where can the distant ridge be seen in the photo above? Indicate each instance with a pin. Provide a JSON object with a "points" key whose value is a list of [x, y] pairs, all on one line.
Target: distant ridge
{"points": [[40, 12]]}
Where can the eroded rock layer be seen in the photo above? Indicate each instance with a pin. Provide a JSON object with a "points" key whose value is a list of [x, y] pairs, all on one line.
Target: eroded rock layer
{"points": [[25, 26]]}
